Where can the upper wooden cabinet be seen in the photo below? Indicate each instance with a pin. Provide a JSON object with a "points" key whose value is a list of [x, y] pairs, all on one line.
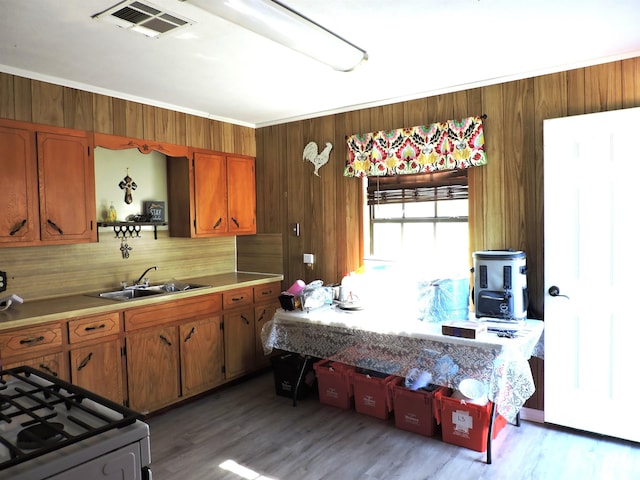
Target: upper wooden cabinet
{"points": [[19, 222], [221, 199], [67, 188], [241, 195], [210, 191], [47, 185]]}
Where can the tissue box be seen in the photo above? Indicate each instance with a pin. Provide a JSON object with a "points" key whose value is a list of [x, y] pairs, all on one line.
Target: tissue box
{"points": [[464, 329]]}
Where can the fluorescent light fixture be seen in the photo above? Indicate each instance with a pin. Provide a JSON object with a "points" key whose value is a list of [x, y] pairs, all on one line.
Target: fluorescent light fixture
{"points": [[277, 22]]}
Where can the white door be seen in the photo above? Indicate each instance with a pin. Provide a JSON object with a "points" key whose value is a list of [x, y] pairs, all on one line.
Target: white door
{"points": [[592, 322]]}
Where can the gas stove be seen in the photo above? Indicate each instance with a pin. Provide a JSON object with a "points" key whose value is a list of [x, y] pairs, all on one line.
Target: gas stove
{"points": [[50, 429]]}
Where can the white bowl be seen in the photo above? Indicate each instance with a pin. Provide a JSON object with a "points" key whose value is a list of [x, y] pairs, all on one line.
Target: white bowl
{"points": [[471, 390]]}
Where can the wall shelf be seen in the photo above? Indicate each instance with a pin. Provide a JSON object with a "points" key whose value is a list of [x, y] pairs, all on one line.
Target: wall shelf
{"points": [[132, 229]]}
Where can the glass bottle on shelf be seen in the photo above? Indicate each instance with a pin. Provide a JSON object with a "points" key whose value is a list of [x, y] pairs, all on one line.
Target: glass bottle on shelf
{"points": [[112, 215]]}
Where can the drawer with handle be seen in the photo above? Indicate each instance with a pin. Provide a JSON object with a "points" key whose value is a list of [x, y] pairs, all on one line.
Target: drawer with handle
{"points": [[237, 297], [96, 326], [30, 339], [267, 292]]}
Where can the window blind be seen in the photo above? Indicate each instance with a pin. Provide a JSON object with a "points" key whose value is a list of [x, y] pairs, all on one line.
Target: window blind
{"points": [[421, 187]]}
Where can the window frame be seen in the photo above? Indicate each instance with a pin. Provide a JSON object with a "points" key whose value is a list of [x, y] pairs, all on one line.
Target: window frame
{"points": [[439, 184]]}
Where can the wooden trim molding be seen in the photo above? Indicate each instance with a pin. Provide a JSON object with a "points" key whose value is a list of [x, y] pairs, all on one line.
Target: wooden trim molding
{"points": [[116, 142], [532, 415]]}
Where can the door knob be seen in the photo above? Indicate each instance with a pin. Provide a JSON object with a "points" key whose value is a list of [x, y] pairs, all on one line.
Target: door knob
{"points": [[555, 292]]}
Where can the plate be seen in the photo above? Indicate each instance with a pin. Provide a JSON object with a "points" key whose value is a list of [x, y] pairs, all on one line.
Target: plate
{"points": [[349, 306]]}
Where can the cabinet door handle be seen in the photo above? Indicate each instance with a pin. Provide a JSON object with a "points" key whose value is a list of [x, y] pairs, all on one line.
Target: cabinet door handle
{"points": [[237, 299], [217, 224], [188, 337], [31, 341], [42, 366], [56, 227], [235, 221], [264, 312], [164, 339], [18, 228], [265, 293], [85, 362], [94, 327], [244, 319]]}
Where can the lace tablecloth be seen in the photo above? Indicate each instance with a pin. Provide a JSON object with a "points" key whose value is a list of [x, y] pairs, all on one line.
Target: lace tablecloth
{"points": [[384, 343]]}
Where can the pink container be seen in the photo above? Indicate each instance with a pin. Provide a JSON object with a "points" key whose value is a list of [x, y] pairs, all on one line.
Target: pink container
{"points": [[296, 288]]}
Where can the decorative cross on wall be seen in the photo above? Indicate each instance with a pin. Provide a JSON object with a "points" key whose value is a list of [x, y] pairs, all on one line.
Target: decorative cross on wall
{"points": [[128, 185], [125, 249]]}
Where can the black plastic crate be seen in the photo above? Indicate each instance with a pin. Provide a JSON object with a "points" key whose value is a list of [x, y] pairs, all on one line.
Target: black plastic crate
{"points": [[286, 371]]}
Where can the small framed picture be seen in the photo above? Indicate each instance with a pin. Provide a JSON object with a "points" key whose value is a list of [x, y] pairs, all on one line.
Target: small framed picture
{"points": [[154, 210]]}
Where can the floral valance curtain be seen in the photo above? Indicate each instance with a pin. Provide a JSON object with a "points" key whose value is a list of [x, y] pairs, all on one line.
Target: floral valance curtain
{"points": [[454, 144]]}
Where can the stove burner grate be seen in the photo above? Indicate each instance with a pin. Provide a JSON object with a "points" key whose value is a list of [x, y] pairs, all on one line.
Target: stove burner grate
{"points": [[33, 395], [40, 435]]}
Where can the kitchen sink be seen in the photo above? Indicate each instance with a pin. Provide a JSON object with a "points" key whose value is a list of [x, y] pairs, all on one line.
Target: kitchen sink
{"points": [[132, 293]]}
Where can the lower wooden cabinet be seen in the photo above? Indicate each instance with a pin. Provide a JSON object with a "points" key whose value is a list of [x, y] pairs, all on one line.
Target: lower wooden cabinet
{"points": [[246, 311], [239, 341], [153, 369], [152, 356], [95, 354], [201, 355], [174, 350], [39, 347], [263, 314], [51, 364], [98, 368]]}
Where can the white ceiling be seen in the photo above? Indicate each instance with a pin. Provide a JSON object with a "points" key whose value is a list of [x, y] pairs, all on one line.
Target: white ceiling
{"points": [[217, 70]]}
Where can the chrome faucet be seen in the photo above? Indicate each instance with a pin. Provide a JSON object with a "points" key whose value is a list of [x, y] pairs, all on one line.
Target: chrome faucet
{"points": [[137, 282]]}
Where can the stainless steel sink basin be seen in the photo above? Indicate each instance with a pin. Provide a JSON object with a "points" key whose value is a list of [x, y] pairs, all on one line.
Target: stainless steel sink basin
{"points": [[130, 294], [144, 292]]}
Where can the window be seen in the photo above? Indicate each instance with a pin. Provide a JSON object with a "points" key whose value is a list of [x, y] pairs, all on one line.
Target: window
{"points": [[420, 219]]}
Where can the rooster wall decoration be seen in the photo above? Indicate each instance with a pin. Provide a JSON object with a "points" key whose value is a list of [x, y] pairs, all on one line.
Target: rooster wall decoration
{"points": [[311, 154]]}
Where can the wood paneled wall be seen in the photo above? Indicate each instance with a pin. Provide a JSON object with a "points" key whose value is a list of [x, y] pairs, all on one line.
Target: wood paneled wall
{"points": [[49, 104], [506, 196], [39, 272], [60, 270]]}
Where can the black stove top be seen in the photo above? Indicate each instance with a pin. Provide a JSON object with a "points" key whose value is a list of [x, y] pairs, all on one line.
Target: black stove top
{"points": [[40, 414]]}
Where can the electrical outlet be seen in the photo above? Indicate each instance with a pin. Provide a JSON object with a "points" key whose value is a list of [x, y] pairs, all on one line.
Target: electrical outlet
{"points": [[3, 281]]}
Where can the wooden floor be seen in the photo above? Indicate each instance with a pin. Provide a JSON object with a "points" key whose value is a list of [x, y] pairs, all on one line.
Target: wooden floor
{"points": [[249, 426]]}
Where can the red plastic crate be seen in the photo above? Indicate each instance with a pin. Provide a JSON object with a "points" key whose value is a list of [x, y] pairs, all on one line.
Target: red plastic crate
{"points": [[417, 410], [374, 394], [335, 383], [467, 424]]}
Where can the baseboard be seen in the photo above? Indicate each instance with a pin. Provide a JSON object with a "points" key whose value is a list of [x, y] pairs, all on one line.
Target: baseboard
{"points": [[532, 415]]}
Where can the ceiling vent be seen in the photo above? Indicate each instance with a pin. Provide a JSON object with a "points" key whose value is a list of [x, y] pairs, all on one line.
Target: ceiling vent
{"points": [[142, 17]]}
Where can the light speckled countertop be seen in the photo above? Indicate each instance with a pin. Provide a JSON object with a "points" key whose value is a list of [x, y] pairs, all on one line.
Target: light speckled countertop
{"points": [[35, 312]]}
